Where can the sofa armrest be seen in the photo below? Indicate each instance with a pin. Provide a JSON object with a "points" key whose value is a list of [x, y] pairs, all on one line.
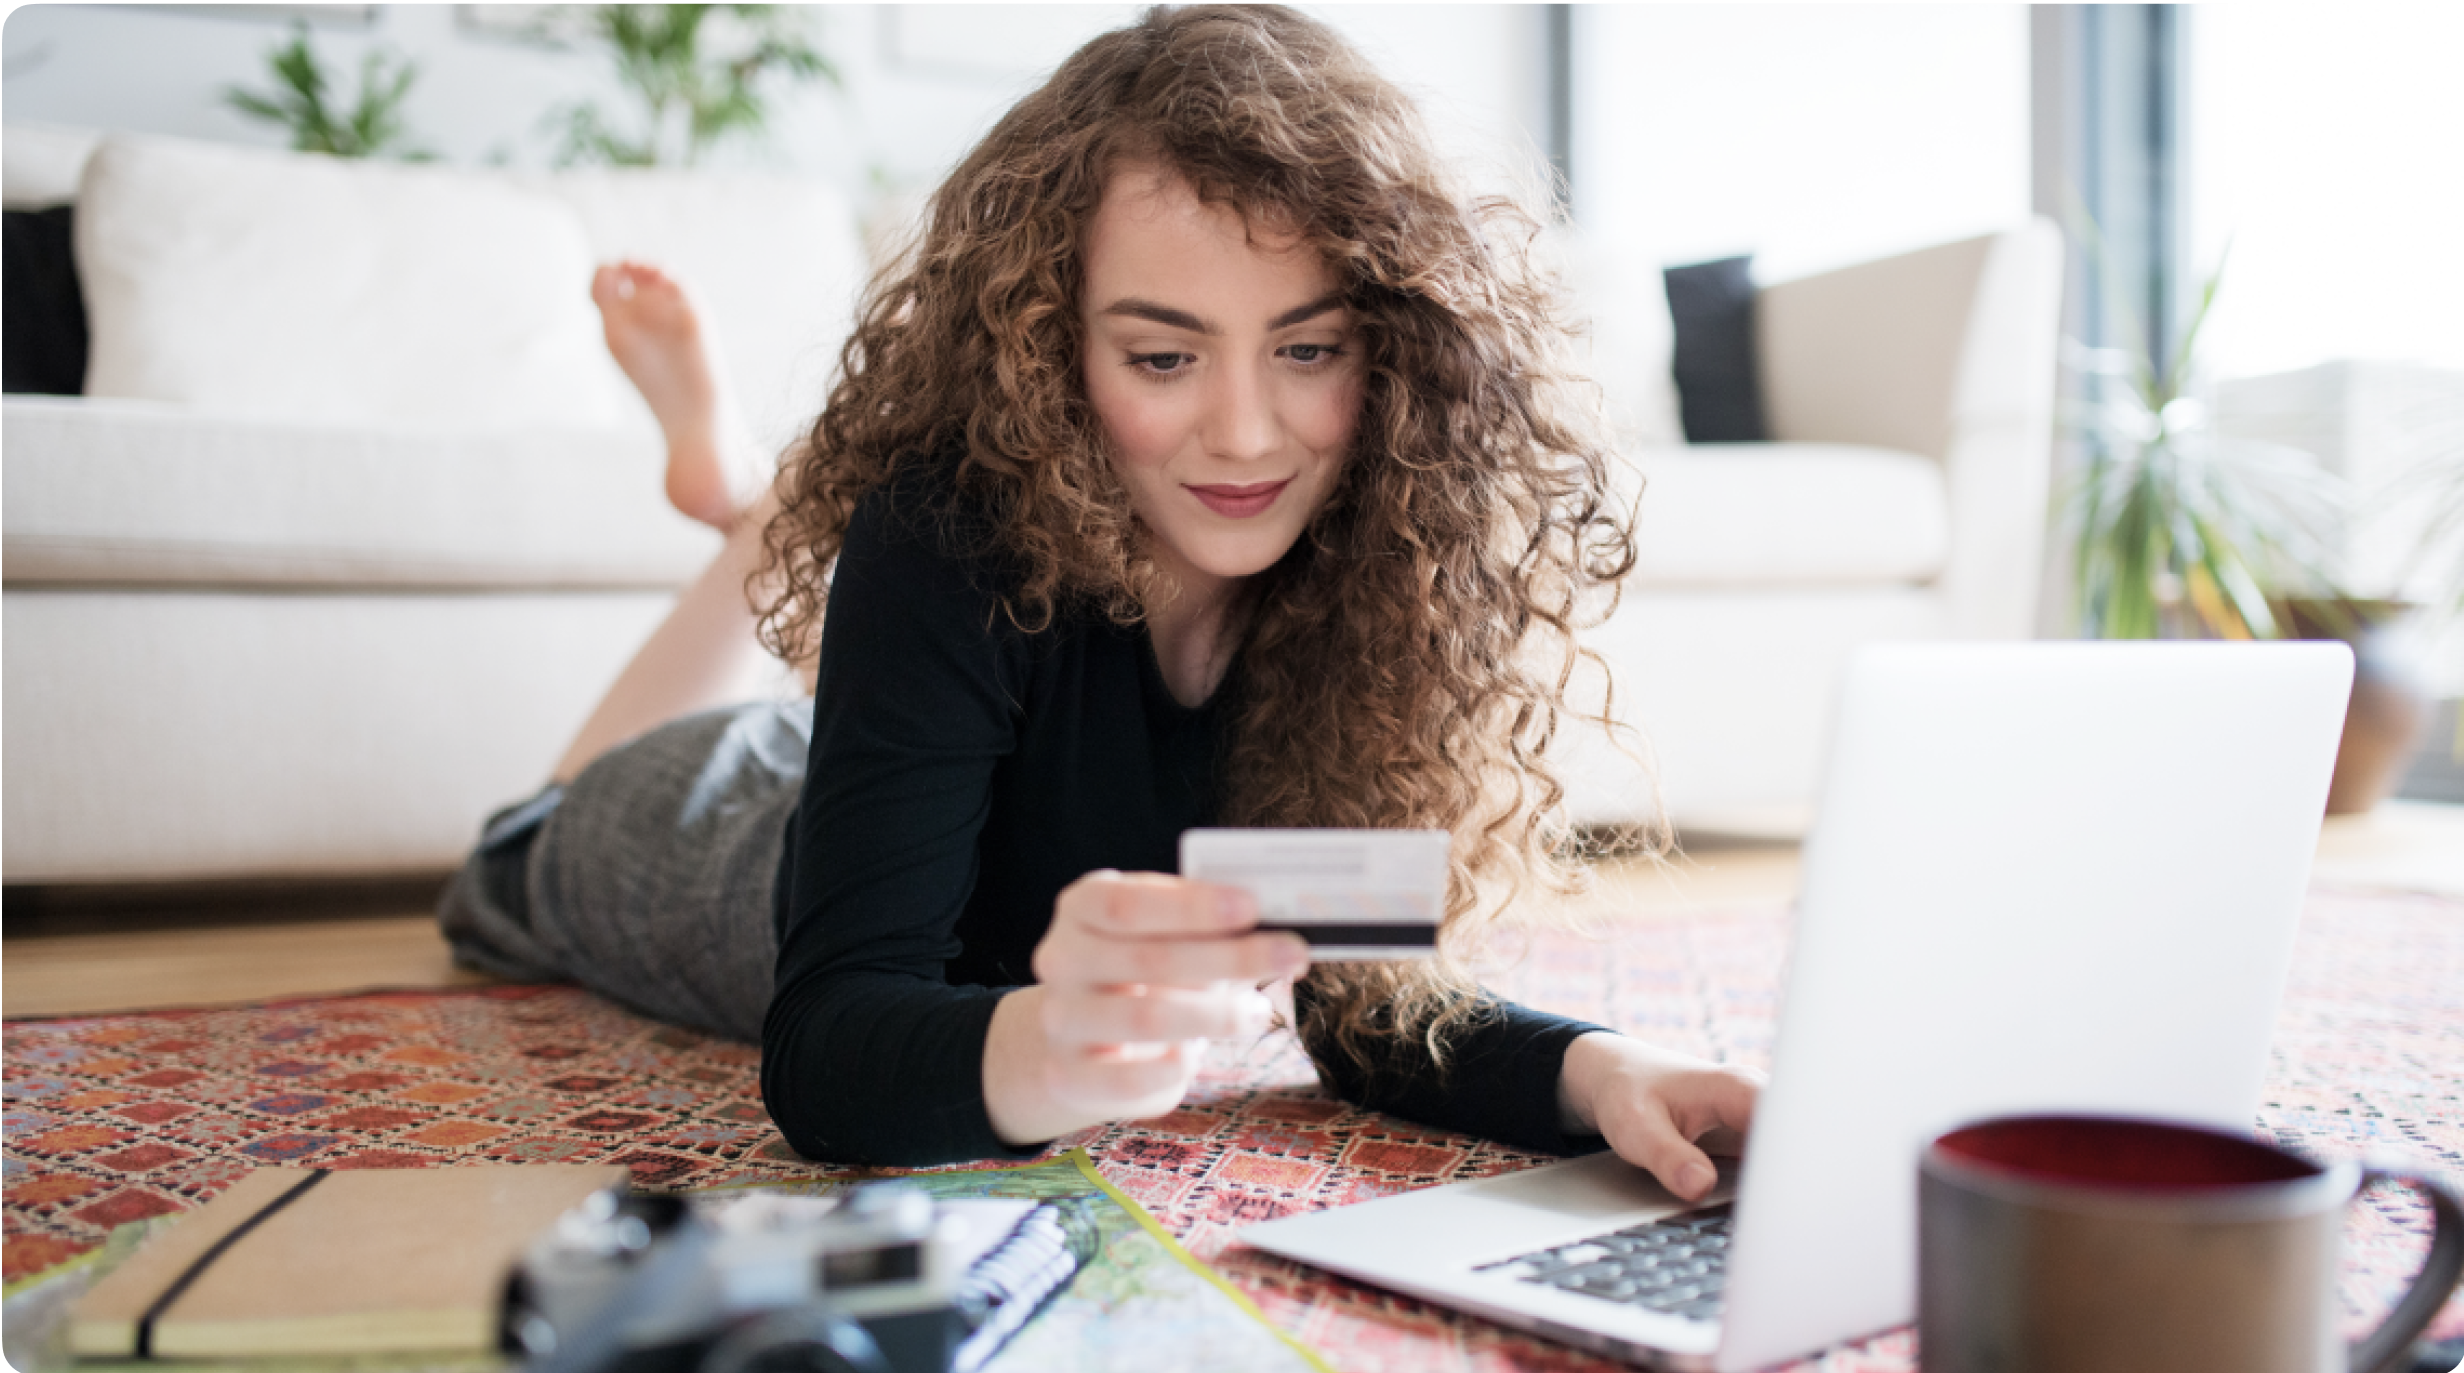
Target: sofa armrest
{"points": [[1946, 352]]}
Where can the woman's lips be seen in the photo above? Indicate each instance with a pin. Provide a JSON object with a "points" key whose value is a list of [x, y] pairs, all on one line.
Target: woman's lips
{"points": [[1240, 502]]}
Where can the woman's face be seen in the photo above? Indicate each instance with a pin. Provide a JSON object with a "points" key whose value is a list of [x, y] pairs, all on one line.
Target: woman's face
{"points": [[1223, 366]]}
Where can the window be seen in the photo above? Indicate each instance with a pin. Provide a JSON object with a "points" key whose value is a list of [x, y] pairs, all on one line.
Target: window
{"points": [[2325, 145]]}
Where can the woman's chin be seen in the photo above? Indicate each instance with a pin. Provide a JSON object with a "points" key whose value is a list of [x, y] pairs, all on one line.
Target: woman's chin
{"points": [[1234, 559]]}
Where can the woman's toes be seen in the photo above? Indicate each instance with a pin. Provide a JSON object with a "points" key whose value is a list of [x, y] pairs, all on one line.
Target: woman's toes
{"points": [[641, 302], [661, 299]]}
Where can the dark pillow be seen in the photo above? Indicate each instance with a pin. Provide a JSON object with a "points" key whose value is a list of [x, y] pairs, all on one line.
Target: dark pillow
{"points": [[1719, 383], [42, 311]]}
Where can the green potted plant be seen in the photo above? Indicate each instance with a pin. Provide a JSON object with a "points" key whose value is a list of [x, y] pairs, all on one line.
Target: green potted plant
{"points": [[305, 100], [700, 74], [2177, 531], [2433, 573], [2174, 530]]}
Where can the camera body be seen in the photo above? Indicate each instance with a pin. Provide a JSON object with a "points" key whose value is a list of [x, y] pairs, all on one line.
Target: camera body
{"points": [[868, 1281]]}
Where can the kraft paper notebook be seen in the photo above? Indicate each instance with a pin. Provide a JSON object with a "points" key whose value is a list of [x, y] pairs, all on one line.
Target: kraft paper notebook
{"points": [[294, 1261]]}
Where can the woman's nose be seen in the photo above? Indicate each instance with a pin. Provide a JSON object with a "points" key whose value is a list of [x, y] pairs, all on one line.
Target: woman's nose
{"points": [[1240, 421]]}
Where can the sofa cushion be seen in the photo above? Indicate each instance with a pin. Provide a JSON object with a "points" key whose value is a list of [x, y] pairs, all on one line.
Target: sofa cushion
{"points": [[1627, 339], [1719, 377], [138, 493], [1789, 514], [314, 287], [44, 339], [41, 164]]}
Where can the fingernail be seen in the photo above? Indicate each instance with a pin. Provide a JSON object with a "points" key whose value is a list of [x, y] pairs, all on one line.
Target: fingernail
{"points": [[1291, 957], [1694, 1179], [1256, 1014], [1233, 905]]}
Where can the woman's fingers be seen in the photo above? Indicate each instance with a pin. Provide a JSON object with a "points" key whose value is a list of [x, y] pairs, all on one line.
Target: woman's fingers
{"points": [[1148, 905], [1136, 973], [1155, 1013], [1715, 1106], [1078, 958], [1671, 1157], [1665, 1129], [1116, 1087], [1113, 928]]}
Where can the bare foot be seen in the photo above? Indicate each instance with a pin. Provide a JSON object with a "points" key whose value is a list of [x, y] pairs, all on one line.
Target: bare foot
{"points": [[656, 337]]}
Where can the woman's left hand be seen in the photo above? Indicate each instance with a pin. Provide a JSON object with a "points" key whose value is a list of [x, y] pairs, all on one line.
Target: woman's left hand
{"points": [[1660, 1110]]}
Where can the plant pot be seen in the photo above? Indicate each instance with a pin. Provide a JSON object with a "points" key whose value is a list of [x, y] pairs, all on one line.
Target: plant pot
{"points": [[2390, 707]]}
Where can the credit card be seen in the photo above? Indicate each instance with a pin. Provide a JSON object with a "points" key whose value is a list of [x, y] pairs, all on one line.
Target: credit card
{"points": [[1352, 894]]}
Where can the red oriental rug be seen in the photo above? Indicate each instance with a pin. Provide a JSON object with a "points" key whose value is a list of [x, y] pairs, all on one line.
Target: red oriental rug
{"points": [[118, 1118]]}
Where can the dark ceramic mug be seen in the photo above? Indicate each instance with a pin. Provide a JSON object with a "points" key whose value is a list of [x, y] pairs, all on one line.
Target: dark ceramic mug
{"points": [[2083, 1244]]}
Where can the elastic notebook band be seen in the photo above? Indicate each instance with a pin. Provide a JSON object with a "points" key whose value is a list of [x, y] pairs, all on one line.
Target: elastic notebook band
{"points": [[145, 1323]]}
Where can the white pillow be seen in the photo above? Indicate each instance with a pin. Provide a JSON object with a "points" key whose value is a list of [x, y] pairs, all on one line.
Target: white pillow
{"points": [[1632, 342], [775, 263], [40, 164], [305, 286]]}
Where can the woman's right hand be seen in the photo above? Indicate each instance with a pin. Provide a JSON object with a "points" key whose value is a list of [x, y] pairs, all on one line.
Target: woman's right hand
{"points": [[1136, 973]]}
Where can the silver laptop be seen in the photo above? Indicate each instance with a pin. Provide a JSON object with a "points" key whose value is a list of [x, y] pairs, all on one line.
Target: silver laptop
{"points": [[2058, 876]]}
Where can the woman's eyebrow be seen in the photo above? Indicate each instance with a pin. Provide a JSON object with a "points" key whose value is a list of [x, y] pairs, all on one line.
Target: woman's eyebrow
{"points": [[1333, 300], [1132, 307]]}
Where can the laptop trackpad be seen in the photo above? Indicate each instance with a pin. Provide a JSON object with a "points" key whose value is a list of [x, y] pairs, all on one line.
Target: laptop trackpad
{"points": [[1592, 1187], [1462, 1225]]}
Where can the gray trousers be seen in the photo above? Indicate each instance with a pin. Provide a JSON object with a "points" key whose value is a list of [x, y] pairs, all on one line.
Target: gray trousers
{"points": [[649, 877]]}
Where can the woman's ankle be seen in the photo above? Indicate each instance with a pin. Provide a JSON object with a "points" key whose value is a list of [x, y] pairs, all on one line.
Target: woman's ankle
{"points": [[698, 485]]}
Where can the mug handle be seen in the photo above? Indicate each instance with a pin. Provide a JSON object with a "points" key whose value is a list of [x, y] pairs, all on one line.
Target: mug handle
{"points": [[2379, 1351]]}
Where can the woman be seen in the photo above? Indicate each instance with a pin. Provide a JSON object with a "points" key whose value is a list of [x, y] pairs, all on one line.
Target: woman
{"points": [[1211, 460]]}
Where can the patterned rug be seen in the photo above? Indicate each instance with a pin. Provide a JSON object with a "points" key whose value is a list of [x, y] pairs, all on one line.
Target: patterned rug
{"points": [[114, 1119]]}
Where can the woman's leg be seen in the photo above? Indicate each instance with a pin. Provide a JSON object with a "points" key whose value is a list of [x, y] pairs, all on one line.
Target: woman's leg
{"points": [[704, 653]]}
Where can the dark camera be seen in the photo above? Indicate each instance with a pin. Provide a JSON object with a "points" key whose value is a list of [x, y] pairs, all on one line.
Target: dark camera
{"points": [[880, 1279]]}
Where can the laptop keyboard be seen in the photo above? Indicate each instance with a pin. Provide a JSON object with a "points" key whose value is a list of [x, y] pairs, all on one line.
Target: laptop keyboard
{"points": [[1675, 1266]]}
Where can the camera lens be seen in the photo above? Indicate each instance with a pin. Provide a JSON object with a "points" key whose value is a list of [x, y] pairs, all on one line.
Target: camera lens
{"points": [[803, 1339]]}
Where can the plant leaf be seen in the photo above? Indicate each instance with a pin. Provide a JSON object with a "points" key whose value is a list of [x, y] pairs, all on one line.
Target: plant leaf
{"points": [[2178, 367]]}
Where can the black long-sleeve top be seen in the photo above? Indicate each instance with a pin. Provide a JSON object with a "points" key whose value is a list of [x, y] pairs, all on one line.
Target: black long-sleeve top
{"points": [[963, 771]]}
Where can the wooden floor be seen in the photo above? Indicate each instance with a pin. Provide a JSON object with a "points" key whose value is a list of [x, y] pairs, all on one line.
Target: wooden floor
{"points": [[84, 955], [85, 973]]}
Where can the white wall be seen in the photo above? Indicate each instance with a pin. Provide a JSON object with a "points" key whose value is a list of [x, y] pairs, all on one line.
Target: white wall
{"points": [[922, 81], [160, 70], [2327, 146], [1808, 135]]}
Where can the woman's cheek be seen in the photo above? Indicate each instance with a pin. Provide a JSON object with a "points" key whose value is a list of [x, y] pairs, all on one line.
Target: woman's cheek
{"points": [[1331, 419], [1140, 427]]}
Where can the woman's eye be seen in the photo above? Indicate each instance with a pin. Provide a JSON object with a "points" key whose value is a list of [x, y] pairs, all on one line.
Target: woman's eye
{"points": [[1307, 354], [1160, 364]]}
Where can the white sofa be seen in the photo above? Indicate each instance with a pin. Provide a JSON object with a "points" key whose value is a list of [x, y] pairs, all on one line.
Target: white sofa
{"points": [[1910, 402], [357, 518], [271, 611]]}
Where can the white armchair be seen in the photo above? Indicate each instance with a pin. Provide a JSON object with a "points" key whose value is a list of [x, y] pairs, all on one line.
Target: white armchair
{"points": [[1904, 497]]}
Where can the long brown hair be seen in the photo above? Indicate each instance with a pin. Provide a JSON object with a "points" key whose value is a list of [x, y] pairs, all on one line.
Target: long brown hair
{"points": [[1408, 662]]}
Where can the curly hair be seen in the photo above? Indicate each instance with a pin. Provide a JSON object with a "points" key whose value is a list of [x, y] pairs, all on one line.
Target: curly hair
{"points": [[1408, 662]]}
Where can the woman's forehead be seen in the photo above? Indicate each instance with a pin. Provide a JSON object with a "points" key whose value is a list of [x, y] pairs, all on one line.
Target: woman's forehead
{"points": [[1152, 230], [1148, 187]]}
